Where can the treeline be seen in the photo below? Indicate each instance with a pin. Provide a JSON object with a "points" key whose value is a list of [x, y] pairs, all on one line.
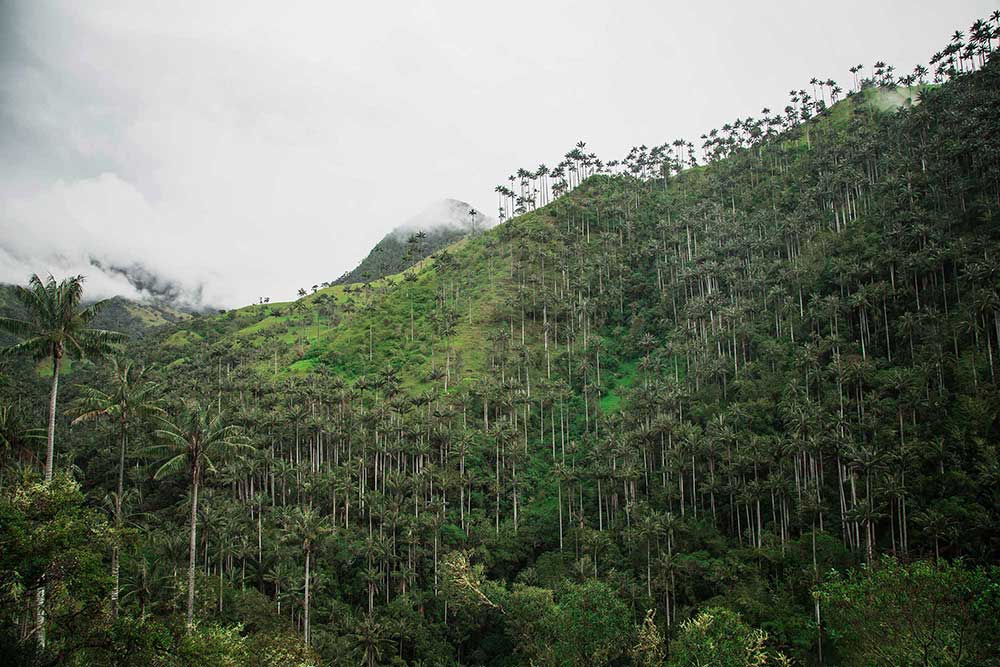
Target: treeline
{"points": [[528, 188]]}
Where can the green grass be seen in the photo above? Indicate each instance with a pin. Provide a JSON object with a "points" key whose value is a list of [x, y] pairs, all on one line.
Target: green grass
{"points": [[44, 367], [324, 334], [623, 379], [183, 338], [268, 322]]}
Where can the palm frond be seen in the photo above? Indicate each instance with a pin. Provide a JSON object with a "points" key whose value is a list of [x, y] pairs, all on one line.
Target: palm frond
{"points": [[37, 347], [92, 311], [89, 416], [95, 342], [18, 328], [32, 298], [174, 437], [171, 464]]}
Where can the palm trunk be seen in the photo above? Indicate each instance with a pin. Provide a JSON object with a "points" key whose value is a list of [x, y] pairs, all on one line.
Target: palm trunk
{"points": [[49, 456], [115, 559], [192, 546], [50, 445], [40, 616], [115, 568], [221, 559], [307, 600], [649, 572]]}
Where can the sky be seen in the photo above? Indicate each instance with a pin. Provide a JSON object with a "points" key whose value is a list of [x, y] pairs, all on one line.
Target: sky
{"points": [[229, 150]]}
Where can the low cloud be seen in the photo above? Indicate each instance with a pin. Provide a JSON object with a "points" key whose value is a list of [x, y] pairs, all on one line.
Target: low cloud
{"points": [[104, 229], [445, 214], [235, 150]]}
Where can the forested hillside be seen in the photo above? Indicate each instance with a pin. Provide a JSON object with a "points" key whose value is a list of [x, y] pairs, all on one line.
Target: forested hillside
{"points": [[733, 404]]}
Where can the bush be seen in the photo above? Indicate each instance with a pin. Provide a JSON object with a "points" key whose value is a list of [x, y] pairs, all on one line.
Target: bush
{"points": [[718, 637], [923, 613]]}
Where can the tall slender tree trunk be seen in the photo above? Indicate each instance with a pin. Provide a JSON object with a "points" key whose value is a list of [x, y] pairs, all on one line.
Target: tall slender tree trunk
{"points": [[649, 572], [192, 545], [307, 600], [50, 445], [115, 556], [49, 456], [40, 616]]}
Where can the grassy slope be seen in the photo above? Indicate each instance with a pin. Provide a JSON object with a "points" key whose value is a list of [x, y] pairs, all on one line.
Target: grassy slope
{"points": [[376, 323], [353, 330]]}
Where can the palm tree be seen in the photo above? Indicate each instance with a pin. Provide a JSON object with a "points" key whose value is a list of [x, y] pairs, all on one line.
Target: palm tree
{"points": [[649, 528], [280, 575], [369, 640], [56, 326], [937, 526], [306, 527], [193, 440], [130, 398]]}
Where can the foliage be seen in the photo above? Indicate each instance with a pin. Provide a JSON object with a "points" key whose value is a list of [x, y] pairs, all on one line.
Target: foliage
{"points": [[914, 614], [667, 400], [650, 648], [718, 637], [594, 625], [48, 535]]}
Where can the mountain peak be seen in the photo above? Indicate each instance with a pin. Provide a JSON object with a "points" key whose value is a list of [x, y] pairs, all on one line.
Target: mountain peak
{"points": [[446, 213], [442, 222]]}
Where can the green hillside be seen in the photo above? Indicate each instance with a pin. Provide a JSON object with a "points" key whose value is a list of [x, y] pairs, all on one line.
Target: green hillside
{"points": [[727, 405], [136, 318], [395, 253]]}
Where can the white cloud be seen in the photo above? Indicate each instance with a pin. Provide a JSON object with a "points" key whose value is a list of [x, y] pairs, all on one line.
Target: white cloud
{"points": [[253, 148]]}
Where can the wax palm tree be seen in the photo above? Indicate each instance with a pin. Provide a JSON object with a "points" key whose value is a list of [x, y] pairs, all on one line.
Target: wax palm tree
{"points": [[281, 576], [130, 398], [369, 640], [648, 529], [306, 527], [195, 440], [56, 326], [938, 526]]}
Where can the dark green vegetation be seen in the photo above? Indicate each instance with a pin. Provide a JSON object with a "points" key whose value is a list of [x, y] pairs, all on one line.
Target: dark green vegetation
{"points": [[740, 413]]}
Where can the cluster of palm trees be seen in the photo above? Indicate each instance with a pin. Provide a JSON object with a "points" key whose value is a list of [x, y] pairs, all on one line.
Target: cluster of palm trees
{"points": [[793, 348], [967, 53], [528, 189], [775, 397]]}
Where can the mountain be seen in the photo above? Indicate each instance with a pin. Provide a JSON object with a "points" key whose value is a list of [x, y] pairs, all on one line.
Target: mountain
{"points": [[437, 226], [740, 408], [134, 318]]}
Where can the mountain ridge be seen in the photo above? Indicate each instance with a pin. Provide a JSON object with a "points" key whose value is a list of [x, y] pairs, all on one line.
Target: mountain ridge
{"points": [[435, 227], [118, 313]]}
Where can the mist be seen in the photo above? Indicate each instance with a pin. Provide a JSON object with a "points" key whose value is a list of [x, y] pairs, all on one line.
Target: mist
{"points": [[231, 151]]}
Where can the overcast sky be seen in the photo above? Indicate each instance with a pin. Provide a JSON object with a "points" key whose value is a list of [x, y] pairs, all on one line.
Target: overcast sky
{"points": [[250, 148]]}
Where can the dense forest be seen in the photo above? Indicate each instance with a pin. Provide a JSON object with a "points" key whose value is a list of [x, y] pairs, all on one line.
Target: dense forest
{"points": [[729, 404]]}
